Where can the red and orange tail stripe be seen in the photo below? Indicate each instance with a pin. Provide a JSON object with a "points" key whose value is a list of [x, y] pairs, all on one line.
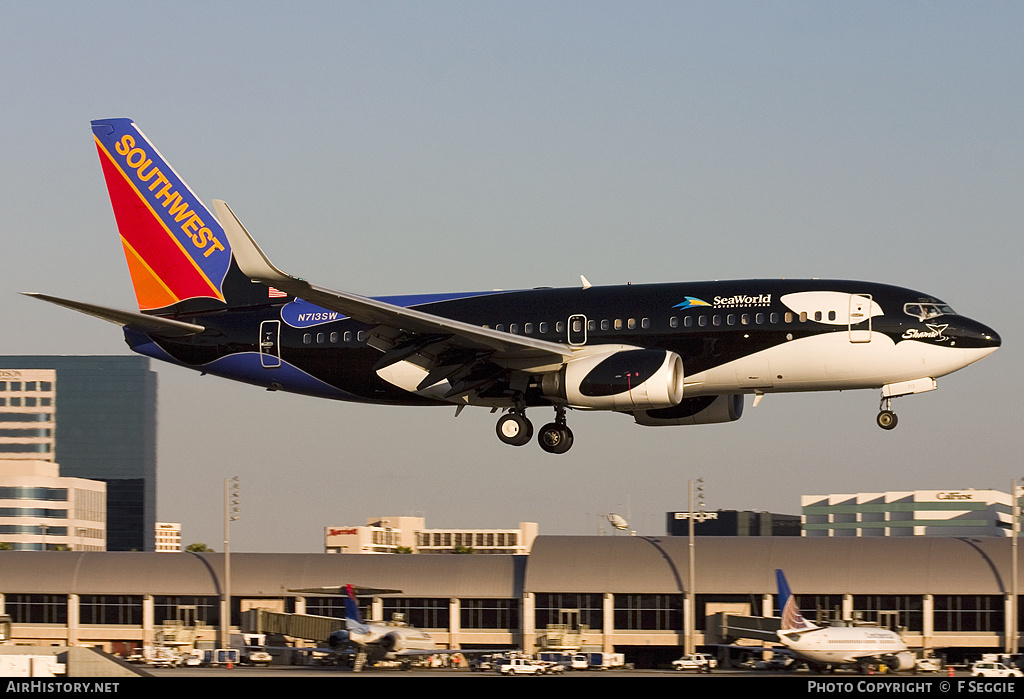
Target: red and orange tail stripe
{"points": [[175, 248]]}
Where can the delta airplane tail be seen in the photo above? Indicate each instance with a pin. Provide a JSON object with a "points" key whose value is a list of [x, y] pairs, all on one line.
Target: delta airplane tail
{"points": [[353, 619], [175, 247], [792, 619]]}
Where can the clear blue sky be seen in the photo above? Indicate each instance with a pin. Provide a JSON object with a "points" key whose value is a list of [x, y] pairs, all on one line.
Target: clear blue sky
{"points": [[400, 147]]}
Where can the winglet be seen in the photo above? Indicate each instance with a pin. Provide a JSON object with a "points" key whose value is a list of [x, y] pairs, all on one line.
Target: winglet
{"points": [[250, 258], [792, 619]]}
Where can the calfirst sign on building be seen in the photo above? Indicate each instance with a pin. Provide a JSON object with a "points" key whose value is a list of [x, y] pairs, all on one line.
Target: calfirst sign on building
{"points": [[950, 512]]}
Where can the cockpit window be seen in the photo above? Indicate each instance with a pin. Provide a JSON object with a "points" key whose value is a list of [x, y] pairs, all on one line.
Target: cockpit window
{"points": [[924, 311]]}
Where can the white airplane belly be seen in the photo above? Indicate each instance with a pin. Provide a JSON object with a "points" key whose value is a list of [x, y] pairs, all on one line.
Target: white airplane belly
{"points": [[829, 361]]}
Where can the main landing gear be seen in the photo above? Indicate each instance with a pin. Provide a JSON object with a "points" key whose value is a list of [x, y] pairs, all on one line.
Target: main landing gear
{"points": [[554, 437]]}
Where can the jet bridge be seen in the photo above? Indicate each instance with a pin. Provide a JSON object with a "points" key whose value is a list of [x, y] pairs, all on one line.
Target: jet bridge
{"points": [[725, 629], [305, 626]]}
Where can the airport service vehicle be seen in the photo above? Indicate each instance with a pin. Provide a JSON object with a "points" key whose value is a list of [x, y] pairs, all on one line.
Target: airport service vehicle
{"points": [[697, 661], [837, 645], [989, 668], [523, 666], [670, 354], [162, 656], [605, 661]]}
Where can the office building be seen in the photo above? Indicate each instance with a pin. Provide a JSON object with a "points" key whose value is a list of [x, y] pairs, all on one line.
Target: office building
{"points": [[733, 523], [168, 537], [40, 510], [967, 512], [410, 535], [105, 429]]}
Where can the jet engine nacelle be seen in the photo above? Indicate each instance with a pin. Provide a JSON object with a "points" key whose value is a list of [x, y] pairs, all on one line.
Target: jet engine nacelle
{"points": [[338, 639], [901, 661], [392, 642], [703, 410], [620, 380]]}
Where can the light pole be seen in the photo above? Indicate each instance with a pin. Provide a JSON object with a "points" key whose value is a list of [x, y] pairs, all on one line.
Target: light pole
{"points": [[231, 511], [691, 586], [1012, 630]]}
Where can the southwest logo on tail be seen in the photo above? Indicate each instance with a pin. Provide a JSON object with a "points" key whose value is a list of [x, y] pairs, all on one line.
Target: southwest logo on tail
{"points": [[175, 248]]}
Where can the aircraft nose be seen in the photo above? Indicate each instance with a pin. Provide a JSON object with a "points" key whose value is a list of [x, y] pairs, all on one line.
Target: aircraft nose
{"points": [[974, 334]]}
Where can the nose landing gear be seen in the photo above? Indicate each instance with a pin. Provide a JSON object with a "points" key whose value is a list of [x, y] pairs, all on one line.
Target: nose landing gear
{"points": [[886, 418]]}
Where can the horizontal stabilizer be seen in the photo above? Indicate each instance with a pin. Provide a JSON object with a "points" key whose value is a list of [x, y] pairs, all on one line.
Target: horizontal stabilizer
{"points": [[153, 325]]}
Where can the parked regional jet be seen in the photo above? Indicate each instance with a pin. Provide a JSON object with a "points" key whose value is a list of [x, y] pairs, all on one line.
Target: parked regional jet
{"points": [[838, 645], [374, 641], [666, 354]]}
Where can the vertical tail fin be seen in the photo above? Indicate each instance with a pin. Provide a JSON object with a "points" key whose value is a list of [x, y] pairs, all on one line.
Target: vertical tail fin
{"points": [[792, 619], [353, 619], [176, 249]]}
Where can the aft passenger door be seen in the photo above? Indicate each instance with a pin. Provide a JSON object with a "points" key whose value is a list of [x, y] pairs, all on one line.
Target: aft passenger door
{"points": [[860, 318], [270, 343]]}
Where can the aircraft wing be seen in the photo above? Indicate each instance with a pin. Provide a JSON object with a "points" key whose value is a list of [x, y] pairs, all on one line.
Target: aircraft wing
{"points": [[255, 264], [155, 325]]}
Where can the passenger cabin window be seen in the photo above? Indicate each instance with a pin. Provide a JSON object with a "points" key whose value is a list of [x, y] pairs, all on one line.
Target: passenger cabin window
{"points": [[543, 328], [673, 322]]}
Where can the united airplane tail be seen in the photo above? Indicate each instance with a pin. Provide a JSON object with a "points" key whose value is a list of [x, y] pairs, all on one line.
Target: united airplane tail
{"points": [[792, 619], [176, 249]]}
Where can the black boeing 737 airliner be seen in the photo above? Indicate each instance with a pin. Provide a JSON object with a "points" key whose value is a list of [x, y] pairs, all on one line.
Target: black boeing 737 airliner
{"points": [[666, 354]]}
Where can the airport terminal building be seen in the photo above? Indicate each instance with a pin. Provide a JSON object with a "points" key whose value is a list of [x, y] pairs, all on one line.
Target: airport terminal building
{"points": [[614, 593]]}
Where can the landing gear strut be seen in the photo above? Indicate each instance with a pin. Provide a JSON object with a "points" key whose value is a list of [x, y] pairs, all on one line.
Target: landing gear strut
{"points": [[555, 437]]}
